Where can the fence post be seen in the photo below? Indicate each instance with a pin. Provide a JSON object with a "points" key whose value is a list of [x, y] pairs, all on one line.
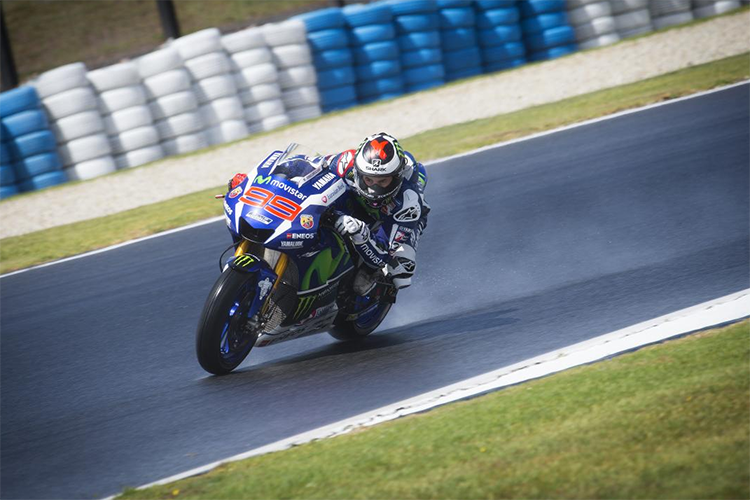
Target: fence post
{"points": [[168, 19], [7, 63]]}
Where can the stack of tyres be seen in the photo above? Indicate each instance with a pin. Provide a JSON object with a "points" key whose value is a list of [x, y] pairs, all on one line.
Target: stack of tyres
{"points": [[328, 39], [632, 17], [499, 33], [418, 42], [708, 8], [172, 101], [75, 117], [220, 111], [297, 76], [462, 57], [257, 80], [127, 118], [376, 53], [547, 33], [28, 156], [593, 23], [665, 13]]}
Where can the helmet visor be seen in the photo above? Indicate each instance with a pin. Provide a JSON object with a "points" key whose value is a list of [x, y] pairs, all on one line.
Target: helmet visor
{"points": [[376, 186]]}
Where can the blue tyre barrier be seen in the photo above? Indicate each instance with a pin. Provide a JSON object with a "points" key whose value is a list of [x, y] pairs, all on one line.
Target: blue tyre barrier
{"points": [[416, 22], [420, 40], [335, 38], [424, 85], [499, 35], [552, 53], [377, 69], [33, 166], [421, 57], [372, 33], [43, 181], [504, 52], [531, 8], [402, 7], [8, 191], [25, 122], [462, 59], [494, 4], [496, 17], [376, 51], [19, 99], [34, 143], [332, 59], [423, 74], [338, 95], [7, 175], [367, 14], [451, 76], [503, 65], [378, 87], [6, 156], [336, 77], [323, 19], [534, 25], [553, 37], [462, 17], [459, 38], [447, 4]]}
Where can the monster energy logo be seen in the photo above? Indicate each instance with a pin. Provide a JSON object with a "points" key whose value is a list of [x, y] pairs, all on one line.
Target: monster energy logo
{"points": [[325, 264], [244, 260], [304, 306]]}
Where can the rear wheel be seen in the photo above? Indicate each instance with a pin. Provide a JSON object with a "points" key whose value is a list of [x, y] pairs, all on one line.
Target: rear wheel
{"points": [[366, 323], [225, 333]]}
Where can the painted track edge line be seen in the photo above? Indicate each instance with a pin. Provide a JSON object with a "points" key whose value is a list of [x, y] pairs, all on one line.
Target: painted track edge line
{"points": [[699, 317], [430, 162]]}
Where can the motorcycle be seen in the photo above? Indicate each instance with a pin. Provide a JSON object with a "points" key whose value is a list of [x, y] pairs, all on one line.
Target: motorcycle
{"points": [[291, 272]]}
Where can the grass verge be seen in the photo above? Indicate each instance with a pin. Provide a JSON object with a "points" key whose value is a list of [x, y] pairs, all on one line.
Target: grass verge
{"points": [[667, 421], [27, 250]]}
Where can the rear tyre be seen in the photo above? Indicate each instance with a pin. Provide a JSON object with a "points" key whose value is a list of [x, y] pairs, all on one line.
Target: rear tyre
{"points": [[223, 339], [362, 326]]}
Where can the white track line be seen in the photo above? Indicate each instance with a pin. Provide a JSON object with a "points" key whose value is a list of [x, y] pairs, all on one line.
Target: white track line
{"points": [[431, 162], [708, 314]]}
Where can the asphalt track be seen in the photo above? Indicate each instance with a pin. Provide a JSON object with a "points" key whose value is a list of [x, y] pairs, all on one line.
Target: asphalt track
{"points": [[530, 247]]}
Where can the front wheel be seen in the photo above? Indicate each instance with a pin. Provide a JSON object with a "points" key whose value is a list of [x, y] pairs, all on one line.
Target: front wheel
{"points": [[225, 333]]}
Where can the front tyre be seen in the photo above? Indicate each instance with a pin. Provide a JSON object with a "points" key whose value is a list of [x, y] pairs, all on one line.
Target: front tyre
{"points": [[225, 334]]}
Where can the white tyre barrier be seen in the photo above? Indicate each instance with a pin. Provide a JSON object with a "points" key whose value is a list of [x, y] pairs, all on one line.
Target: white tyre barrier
{"points": [[159, 61], [70, 102], [588, 13], [227, 131], [599, 41], [83, 149], [139, 157], [672, 19], [208, 65], [714, 8], [297, 77], [286, 33], [77, 126], [263, 110], [178, 125], [128, 119], [122, 98], [622, 6], [274, 122], [169, 82], [258, 93], [300, 96], [185, 144], [215, 87], [595, 28], [220, 110], [661, 8], [629, 22], [198, 43], [244, 40], [90, 169], [289, 56], [304, 113], [60, 79], [251, 57], [115, 76], [134, 139], [174, 104], [256, 75]]}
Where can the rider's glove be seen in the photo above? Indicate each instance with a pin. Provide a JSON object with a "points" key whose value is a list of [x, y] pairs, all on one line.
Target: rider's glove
{"points": [[358, 230]]}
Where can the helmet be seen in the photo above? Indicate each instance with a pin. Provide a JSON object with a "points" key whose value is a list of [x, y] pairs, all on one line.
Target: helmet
{"points": [[379, 166]]}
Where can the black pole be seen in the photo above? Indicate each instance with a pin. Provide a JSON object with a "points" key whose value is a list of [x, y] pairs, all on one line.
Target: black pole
{"points": [[7, 63], [168, 18]]}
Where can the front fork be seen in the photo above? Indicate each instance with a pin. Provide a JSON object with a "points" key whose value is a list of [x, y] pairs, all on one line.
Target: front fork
{"points": [[242, 249]]}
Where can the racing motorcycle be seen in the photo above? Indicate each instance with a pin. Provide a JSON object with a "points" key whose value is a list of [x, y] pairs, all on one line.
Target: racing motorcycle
{"points": [[291, 272]]}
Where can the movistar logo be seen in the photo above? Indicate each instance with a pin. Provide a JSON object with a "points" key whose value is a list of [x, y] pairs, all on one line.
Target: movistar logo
{"points": [[244, 260], [325, 264], [262, 180]]}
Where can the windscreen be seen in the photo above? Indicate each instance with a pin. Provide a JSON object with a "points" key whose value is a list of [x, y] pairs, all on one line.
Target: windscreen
{"points": [[298, 164]]}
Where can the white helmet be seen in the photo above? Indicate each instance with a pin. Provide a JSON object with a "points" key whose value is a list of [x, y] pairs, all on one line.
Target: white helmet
{"points": [[379, 158]]}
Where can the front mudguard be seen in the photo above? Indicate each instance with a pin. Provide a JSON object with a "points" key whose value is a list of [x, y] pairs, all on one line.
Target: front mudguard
{"points": [[259, 271]]}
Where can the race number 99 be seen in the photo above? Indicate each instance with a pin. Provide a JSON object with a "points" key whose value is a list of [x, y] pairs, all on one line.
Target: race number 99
{"points": [[277, 205]]}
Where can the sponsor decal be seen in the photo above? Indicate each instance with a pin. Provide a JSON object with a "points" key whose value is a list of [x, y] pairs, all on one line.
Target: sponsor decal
{"points": [[305, 304], [371, 255], [323, 180], [400, 236], [388, 208], [260, 218], [234, 193], [292, 244], [300, 236], [376, 162], [307, 221], [277, 183], [265, 287], [325, 199], [324, 265], [310, 254], [244, 260], [227, 208], [271, 159], [345, 161], [262, 180]]}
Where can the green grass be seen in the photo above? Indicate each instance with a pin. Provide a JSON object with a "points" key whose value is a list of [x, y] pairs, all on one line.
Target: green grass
{"points": [[44, 246], [668, 421]]}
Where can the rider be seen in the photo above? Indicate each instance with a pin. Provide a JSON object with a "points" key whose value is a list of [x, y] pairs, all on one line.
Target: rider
{"points": [[387, 214]]}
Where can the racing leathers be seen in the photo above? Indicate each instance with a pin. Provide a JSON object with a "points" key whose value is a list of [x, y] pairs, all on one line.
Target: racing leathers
{"points": [[390, 236]]}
